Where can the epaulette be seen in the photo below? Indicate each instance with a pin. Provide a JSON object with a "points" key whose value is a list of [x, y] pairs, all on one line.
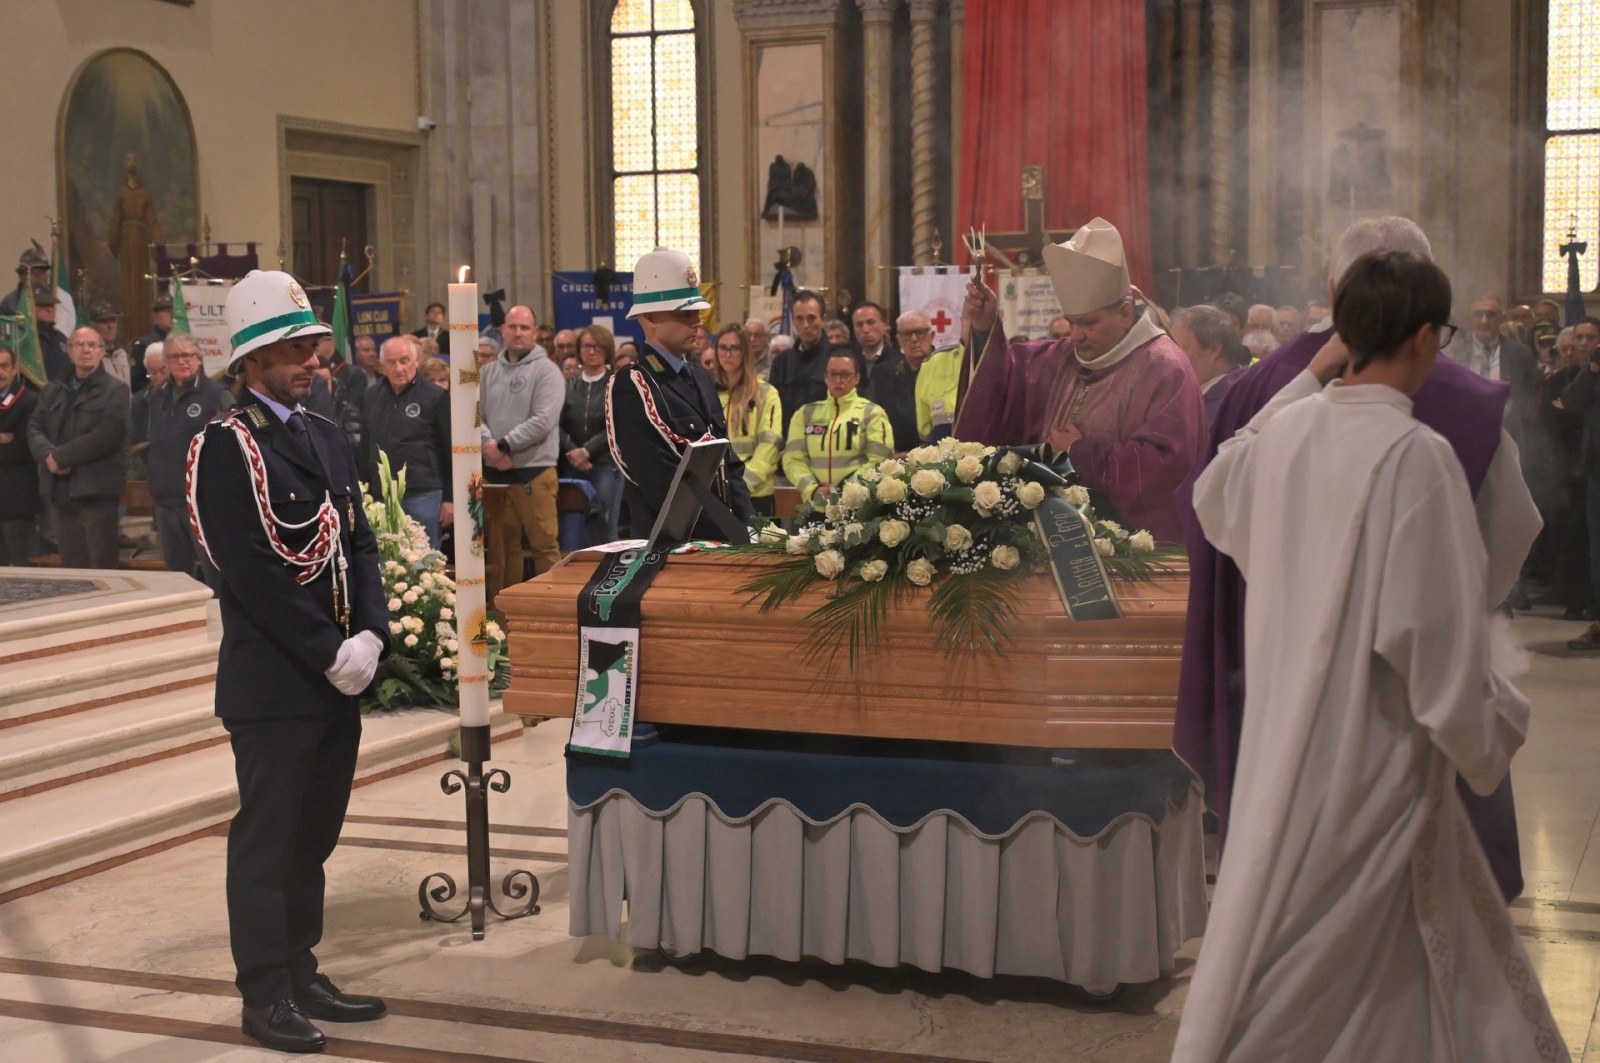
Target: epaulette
{"points": [[655, 363], [254, 414]]}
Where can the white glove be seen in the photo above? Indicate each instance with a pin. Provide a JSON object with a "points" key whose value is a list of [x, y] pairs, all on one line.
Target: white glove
{"points": [[355, 663]]}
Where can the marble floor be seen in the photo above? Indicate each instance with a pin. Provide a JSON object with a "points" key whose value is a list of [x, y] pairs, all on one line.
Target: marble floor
{"points": [[131, 964]]}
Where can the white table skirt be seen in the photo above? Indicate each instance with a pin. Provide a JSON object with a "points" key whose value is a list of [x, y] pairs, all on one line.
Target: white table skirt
{"points": [[1035, 901]]}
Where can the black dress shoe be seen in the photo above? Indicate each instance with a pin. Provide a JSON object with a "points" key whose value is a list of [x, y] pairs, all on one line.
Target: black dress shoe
{"points": [[321, 999], [280, 1026]]}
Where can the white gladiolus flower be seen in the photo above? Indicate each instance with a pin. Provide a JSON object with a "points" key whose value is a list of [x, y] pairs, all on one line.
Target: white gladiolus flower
{"points": [[1009, 464], [1005, 558], [891, 467], [1077, 495], [1030, 494], [893, 532], [957, 537], [986, 496], [969, 469], [927, 482], [797, 543], [855, 495], [1106, 547], [395, 628], [411, 640], [830, 563], [891, 490], [1142, 542], [920, 572], [395, 604], [873, 571]]}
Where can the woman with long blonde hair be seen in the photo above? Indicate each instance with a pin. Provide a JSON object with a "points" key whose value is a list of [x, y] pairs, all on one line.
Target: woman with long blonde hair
{"points": [[753, 412]]}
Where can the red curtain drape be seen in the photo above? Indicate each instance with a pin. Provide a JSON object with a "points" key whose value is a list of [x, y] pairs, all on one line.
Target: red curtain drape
{"points": [[1060, 84]]}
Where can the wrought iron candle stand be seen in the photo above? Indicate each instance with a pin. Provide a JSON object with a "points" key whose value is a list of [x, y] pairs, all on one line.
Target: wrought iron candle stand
{"points": [[520, 886]]}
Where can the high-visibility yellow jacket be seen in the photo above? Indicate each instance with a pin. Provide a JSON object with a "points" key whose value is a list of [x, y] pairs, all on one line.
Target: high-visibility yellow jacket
{"points": [[936, 392], [760, 445], [829, 440]]}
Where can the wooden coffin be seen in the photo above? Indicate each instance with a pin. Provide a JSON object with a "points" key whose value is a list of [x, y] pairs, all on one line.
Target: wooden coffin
{"points": [[707, 658]]}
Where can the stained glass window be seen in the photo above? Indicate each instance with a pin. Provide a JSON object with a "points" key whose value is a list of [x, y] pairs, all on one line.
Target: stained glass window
{"points": [[655, 129], [1572, 150]]}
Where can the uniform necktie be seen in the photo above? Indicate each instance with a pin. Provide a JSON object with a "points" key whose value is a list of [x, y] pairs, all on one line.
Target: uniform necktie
{"points": [[302, 437]]}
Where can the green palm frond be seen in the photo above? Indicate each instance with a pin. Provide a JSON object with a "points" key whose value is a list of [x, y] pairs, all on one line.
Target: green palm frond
{"points": [[783, 584], [851, 621], [974, 611]]}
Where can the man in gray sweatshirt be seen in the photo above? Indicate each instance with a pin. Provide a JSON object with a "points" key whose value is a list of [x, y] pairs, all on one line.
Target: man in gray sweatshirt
{"points": [[521, 393]]}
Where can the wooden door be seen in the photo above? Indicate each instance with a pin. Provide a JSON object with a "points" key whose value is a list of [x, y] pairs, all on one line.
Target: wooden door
{"points": [[326, 216]]}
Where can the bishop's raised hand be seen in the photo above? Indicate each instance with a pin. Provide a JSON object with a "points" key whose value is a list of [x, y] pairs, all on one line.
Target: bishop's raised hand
{"points": [[981, 307]]}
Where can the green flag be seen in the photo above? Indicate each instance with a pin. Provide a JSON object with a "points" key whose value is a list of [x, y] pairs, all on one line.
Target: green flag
{"points": [[30, 359], [180, 311], [341, 321], [63, 278]]}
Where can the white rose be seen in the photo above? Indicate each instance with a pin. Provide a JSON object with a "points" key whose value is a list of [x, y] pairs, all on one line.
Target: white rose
{"points": [[829, 564], [1009, 464], [852, 533], [395, 628], [1106, 547], [927, 482], [969, 469], [1077, 495], [1142, 543], [495, 632], [986, 496], [395, 604], [409, 597], [871, 476], [1030, 494], [977, 450], [446, 614], [923, 456], [1005, 558], [797, 543], [1112, 526], [891, 467], [891, 490], [829, 537], [873, 571], [400, 588], [893, 532], [411, 640], [452, 645], [957, 537], [771, 535], [920, 572], [949, 447], [855, 495], [831, 511], [447, 663], [412, 623]]}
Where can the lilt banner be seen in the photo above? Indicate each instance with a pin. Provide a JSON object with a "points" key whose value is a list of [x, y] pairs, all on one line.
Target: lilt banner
{"points": [[204, 302], [937, 291]]}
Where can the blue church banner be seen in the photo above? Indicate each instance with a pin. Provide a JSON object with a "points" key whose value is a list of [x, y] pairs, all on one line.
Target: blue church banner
{"points": [[576, 304]]}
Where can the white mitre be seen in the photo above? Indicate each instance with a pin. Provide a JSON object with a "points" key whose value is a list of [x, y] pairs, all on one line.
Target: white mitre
{"points": [[1090, 270]]}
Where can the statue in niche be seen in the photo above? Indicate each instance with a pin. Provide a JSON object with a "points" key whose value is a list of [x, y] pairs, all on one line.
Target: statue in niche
{"points": [[1358, 169], [133, 230], [792, 188]]}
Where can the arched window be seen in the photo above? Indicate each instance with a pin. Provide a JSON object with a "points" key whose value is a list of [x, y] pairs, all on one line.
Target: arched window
{"points": [[1572, 141], [655, 129]]}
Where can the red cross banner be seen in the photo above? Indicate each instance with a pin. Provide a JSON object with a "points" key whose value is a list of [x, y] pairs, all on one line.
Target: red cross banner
{"points": [[937, 291]]}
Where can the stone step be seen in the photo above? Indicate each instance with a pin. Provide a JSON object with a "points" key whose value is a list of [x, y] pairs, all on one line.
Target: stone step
{"points": [[67, 828], [116, 673], [123, 606], [112, 738]]}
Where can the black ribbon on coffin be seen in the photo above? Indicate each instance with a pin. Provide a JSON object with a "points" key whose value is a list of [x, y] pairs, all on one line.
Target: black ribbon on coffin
{"points": [[1076, 566], [608, 652]]}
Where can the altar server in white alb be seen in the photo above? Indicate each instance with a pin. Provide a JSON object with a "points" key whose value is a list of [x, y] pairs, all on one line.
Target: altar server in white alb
{"points": [[1355, 916]]}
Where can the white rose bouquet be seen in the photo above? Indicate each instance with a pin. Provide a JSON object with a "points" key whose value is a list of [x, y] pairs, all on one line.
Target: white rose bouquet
{"points": [[957, 518], [421, 666]]}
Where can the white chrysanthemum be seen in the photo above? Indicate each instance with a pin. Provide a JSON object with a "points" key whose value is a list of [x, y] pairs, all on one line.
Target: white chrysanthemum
{"points": [[891, 467], [830, 563], [1030, 494], [957, 537], [873, 571], [1077, 495], [854, 495], [1010, 463], [411, 641], [969, 469], [1106, 547], [1005, 558], [927, 482], [1142, 542], [986, 496], [920, 572], [891, 490], [893, 532]]}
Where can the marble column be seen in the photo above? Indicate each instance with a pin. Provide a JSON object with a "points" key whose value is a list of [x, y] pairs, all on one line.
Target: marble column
{"points": [[877, 44], [1223, 157], [924, 180], [1191, 165], [1262, 148]]}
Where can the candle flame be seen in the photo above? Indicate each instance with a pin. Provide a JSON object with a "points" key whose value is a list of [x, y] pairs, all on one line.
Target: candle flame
{"points": [[461, 276]]}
